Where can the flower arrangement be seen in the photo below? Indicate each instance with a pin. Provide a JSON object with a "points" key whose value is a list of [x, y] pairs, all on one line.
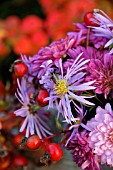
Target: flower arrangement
{"points": [[73, 76]]}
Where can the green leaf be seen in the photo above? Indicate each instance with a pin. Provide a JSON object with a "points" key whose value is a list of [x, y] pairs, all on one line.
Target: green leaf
{"points": [[58, 125]]}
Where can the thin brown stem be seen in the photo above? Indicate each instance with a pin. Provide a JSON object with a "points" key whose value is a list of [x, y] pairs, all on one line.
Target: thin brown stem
{"points": [[63, 141], [87, 38], [56, 134]]}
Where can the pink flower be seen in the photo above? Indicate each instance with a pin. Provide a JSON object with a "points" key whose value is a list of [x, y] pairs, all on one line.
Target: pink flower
{"points": [[101, 135], [101, 70], [49, 55]]}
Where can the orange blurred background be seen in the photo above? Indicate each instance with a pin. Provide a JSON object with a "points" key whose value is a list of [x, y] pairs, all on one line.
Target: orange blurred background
{"points": [[28, 34]]}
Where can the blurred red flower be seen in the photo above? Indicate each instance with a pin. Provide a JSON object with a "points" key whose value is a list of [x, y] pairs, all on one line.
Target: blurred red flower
{"points": [[31, 23]]}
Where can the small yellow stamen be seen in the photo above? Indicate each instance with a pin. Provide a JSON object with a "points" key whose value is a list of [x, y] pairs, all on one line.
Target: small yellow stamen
{"points": [[60, 88], [77, 122]]}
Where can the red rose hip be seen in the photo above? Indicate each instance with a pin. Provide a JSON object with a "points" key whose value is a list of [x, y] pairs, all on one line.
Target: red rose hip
{"points": [[43, 93], [20, 68], [18, 139], [88, 19], [20, 160], [55, 151], [33, 142]]}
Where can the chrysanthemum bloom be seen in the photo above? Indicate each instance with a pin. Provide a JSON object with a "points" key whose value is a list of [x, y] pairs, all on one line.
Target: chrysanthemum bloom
{"points": [[101, 135], [63, 87], [88, 53], [34, 121], [81, 152], [79, 35], [101, 70], [49, 55], [105, 27]]}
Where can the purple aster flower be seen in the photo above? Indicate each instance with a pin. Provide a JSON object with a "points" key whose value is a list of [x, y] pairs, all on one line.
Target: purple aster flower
{"points": [[105, 27], [81, 152], [101, 70], [63, 87], [34, 120], [101, 135]]}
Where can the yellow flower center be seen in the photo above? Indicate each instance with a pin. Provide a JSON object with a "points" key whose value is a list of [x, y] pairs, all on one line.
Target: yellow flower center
{"points": [[60, 88], [78, 121]]}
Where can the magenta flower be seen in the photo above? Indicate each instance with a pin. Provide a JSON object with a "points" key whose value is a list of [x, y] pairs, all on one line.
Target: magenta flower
{"points": [[101, 70], [88, 53], [81, 152], [49, 55], [63, 87], [34, 120], [80, 37], [79, 34], [97, 41], [101, 135]]}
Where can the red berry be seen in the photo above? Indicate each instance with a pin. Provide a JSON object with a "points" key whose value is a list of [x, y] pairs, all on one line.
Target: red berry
{"points": [[43, 93], [20, 68], [18, 139], [20, 160], [55, 151], [88, 19], [33, 142]]}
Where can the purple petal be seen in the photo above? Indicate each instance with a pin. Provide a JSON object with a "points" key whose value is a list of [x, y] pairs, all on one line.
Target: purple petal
{"points": [[82, 87], [109, 43], [21, 112], [76, 77], [24, 124], [80, 98]]}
